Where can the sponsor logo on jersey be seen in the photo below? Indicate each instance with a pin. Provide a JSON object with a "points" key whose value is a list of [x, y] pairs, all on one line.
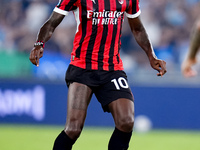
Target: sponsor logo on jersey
{"points": [[104, 17]]}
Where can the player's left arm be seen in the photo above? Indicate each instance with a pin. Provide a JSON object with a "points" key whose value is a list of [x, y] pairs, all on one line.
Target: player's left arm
{"points": [[142, 39]]}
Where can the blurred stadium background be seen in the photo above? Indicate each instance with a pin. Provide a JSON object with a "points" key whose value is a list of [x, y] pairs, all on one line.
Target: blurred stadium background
{"points": [[34, 99]]}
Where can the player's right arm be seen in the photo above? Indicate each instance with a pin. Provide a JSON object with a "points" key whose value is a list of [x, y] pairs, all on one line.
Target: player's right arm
{"points": [[44, 35]]}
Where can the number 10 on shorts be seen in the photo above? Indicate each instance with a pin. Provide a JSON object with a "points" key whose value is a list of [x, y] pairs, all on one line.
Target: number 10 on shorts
{"points": [[120, 82]]}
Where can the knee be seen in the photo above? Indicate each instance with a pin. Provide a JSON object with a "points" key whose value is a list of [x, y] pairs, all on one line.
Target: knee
{"points": [[73, 130], [125, 124]]}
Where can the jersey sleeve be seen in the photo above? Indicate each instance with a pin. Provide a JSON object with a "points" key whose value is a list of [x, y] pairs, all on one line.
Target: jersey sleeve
{"points": [[64, 6], [133, 10]]}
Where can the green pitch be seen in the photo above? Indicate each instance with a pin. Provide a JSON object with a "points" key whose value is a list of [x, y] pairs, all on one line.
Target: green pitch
{"points": [[16, 137]]}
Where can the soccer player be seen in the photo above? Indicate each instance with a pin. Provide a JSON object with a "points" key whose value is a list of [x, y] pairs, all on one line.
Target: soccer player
{"points": [[96, 66], [191, 56]]}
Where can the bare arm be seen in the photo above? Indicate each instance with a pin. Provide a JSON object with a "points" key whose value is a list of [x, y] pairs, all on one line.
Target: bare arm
{"points": [[190, 60], [142, 39], [195, 41], [44, 35]]}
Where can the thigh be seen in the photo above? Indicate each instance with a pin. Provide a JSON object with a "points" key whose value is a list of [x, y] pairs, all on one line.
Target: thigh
{"points": [[115, 88], [122, 111], [79, 96]]}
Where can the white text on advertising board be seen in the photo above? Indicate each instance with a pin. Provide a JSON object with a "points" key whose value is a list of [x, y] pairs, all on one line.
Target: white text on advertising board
{"points": [[30, 102]]}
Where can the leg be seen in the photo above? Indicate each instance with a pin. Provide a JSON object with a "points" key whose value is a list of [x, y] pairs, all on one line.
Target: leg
{"points": [[79, 96], [78, 100], [123, 113]]}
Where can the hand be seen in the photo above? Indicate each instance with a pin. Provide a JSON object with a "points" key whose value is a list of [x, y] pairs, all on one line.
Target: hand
{"points": [[159, 65], [186, 68], [35, 54]]}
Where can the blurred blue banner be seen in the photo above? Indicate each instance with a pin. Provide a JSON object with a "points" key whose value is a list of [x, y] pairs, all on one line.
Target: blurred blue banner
{"points": [[39, 102]]}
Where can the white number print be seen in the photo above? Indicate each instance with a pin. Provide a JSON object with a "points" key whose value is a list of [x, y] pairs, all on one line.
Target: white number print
{"points": [[121, 82]]}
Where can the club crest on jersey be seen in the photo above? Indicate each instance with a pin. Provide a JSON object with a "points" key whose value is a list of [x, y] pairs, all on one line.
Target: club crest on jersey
{"points": [[121, 1]]}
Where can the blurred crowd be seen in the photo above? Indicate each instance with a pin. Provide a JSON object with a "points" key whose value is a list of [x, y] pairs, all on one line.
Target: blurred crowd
{"points": [[168, 23], [20, 21]]}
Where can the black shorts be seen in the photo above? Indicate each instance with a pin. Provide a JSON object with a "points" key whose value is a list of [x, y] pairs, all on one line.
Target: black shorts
{"points": [[107, 86]]}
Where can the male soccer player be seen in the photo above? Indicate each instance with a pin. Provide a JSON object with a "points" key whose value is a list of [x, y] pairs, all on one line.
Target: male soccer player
{"points": [[191, 56], [96, 66]]}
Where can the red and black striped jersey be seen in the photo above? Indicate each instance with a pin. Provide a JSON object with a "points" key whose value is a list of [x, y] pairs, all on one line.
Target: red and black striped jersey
{"points": [[99, 23]]}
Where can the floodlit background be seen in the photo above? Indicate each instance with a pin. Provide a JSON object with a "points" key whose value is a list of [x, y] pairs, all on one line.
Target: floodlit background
{"points": [[165, 107]]}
